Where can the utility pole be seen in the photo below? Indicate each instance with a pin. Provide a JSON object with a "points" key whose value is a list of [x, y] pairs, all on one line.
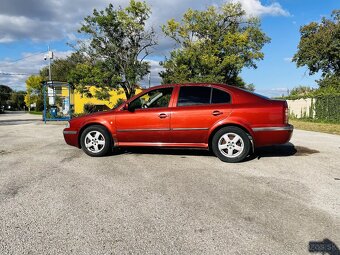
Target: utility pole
{"points": [[50, 57], [49, 65], [149, 78]]}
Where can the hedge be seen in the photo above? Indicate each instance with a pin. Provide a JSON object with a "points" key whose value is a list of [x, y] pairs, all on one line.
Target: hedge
{"points": [[327, 108]]}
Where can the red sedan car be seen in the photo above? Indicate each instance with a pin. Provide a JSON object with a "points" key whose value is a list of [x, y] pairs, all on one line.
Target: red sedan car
{"points": [[230, 121]]}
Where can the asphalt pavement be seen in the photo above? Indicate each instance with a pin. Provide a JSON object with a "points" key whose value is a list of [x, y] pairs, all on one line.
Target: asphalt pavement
{"points": [[54, 199]]}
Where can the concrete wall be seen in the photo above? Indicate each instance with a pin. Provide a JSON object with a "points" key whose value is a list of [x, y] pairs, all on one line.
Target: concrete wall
{"points": [[301, 107]]}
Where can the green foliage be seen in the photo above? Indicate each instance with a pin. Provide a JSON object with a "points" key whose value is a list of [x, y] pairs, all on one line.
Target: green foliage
{"points": [[319, 49], [61, 68], [34, 93], [17, 100], [331, 82], [118, 45], [119, 102], [87, 74], [307, 92], [250, 87], [89, 108], [5, 94], [300, 91], [35, 113], [214, 45], [327, 108]]}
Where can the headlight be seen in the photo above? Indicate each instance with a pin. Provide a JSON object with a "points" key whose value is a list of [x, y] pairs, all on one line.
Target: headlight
{"points": [[68, 125]]}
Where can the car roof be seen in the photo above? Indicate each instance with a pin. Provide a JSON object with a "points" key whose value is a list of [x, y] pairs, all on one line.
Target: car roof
{"points": [[230, 88], [239, 95], [195, 84]]}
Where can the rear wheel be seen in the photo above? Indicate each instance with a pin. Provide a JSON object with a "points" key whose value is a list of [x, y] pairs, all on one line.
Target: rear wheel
{"points": [[231, 144], [95, 141]]}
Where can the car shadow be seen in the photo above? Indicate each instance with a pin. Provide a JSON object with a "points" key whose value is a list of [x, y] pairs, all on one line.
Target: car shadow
{"points": [[163, 151], [326, 246], [285, 150], [282, 150]]}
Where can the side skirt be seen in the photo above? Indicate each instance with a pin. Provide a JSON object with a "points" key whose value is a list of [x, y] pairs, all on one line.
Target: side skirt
{"points": [[172, 145]]}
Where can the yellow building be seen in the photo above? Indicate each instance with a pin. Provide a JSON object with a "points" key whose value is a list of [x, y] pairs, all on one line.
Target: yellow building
{"points": [[79, 101]]}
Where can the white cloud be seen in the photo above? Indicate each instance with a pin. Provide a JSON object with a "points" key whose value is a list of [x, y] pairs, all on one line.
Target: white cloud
{"points": [[14, 28], [14, 74], [50, 20], [273, 92], [40, 20], [288, 59], [155, 69], [255, 8]]}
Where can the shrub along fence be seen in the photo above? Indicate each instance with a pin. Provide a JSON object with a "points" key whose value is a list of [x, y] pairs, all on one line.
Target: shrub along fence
{"points": [[320, 108]]}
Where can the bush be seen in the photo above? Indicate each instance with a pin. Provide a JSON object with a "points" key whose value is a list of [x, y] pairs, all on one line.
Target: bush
{"points": [[327, 108]]}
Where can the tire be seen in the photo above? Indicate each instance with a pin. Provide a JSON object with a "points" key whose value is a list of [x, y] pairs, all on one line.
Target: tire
{"points": [[231, 144], [96, 141]]}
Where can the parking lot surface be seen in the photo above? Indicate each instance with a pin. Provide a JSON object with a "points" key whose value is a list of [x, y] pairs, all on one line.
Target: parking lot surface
{"points": [[54, 199]]}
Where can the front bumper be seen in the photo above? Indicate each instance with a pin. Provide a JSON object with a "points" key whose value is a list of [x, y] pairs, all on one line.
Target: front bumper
{"points": [[71, 137]]}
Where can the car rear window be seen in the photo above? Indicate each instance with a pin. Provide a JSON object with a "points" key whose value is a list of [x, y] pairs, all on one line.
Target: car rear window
{"points": [[197, 95], [193, 95], [220, 97]]}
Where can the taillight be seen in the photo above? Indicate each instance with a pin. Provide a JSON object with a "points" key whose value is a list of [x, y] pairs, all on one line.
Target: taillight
{"points": [[286, 113]]}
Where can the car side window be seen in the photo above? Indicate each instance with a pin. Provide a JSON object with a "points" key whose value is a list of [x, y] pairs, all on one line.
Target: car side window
{"points": [[153, 99], [194, 95], [220, 97]]}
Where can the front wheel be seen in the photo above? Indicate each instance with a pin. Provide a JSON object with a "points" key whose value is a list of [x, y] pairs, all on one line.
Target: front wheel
{"points": [[231, 144], [95, 141]]}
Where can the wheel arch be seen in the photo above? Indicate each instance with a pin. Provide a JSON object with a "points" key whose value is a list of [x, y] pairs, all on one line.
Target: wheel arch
{"points": [[92, 124], [231, 124]]}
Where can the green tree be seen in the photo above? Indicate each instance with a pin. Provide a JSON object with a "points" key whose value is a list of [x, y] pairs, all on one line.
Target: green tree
{"points": [[119, 43], [61, 68], [34, 93], [5, 94], [214, 45], [17, 100], [319, 50], [300, 91]]}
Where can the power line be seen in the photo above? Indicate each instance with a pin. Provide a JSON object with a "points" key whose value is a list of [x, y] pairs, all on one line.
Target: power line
{"points": [[14, 74], [17, 60], [2, 93]]}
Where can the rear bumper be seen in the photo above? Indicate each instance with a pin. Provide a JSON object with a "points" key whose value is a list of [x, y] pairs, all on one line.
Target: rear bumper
{"points": [[71, 137], [264, 136]]}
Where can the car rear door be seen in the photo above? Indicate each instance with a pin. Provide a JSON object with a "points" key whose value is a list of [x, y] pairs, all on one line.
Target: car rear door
{"points": [[198, 108]]}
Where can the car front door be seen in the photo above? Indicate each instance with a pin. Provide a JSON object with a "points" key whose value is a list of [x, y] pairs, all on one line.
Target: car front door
{"points": [[147, 120], [198, 109]]}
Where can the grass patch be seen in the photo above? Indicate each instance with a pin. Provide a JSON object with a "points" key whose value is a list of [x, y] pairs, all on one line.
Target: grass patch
{"points": [[35, 113], [316, 126]]}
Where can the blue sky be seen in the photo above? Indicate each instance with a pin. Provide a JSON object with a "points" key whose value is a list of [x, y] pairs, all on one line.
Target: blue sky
{"points": [[26, 28]]}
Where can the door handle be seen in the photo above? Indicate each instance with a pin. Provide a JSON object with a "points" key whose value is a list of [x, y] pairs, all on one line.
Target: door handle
{"points": [[216, 113], [162, 115]]}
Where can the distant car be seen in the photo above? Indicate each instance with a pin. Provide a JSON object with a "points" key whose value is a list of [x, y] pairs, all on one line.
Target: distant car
{"points": [[230, 121], [2, 109]]}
